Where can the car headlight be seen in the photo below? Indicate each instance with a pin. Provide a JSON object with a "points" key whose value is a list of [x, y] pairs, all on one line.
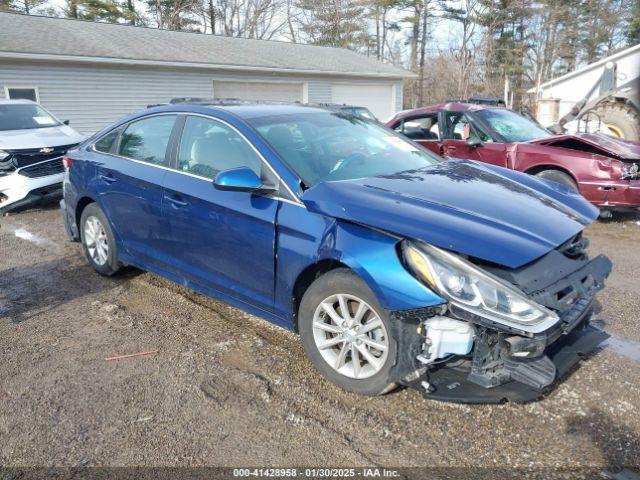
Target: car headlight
{"points": [[3, 155], [475, 291]]}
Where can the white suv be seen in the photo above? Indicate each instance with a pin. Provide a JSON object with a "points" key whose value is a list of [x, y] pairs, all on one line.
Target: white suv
{"points": [[32, 144]]}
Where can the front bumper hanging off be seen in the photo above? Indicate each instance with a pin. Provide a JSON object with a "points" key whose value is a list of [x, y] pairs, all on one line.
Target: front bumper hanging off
{"points": [[508, 365], [453, 385]]}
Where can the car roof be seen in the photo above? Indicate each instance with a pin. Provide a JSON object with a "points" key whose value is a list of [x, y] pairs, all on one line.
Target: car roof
{"points": [[4, 101], [453, 106], [241, 108]]}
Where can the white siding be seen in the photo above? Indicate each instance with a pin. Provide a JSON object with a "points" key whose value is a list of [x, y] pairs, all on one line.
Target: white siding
{"points": [[254, 90], [92, 96], [399, 88], [320, 91]]}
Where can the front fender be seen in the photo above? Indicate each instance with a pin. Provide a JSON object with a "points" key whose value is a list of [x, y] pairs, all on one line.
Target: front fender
{"points": [[305, 241], [373, 255]]}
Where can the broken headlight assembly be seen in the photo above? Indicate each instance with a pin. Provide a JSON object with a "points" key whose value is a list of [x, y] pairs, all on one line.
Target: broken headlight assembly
{"points": [[469, 288], [6, 164], [630, 172]]}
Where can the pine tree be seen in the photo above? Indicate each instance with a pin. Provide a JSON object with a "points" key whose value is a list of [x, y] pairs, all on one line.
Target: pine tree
{"points": [[22, 6], [633, 30], [336, 23], [99, 11]]}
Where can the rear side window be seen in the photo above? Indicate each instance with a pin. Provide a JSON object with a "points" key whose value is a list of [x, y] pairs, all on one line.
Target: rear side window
{"points": [[208, 147], [146, 140], [420, 128], [107, 142]]}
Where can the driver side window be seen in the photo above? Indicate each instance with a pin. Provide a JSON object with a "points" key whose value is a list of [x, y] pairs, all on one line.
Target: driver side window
{"points": [[208, 147], [462, 127]]}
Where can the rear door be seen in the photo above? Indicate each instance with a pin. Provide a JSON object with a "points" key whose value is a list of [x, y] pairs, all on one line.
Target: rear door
{"points": [[221, 239], [130, 184], [457, 128]]}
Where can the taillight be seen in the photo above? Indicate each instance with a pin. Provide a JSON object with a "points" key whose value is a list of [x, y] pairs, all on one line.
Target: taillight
{"points": [[66, 162]]}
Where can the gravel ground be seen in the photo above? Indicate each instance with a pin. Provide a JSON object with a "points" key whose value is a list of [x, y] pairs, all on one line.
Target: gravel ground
{"points": [[227, 389]]}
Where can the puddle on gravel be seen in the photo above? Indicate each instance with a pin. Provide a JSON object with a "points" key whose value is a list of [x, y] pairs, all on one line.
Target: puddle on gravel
{"points": [[617, 344], [625, 348], [30, 237]]}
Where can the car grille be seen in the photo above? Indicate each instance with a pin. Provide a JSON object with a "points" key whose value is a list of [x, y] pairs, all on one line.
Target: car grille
{"points": [[43, 169], [25, 157]]}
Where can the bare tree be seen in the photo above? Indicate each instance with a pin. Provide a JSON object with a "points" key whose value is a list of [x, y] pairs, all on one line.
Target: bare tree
{"points": [[262, 19]]}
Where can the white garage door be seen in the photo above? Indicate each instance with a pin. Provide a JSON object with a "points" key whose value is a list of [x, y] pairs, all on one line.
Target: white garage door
{"points": [[377, 98], [272, 91]]}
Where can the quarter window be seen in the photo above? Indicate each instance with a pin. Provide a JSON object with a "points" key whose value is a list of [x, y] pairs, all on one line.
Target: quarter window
{"points": [[146, 140], [209, 147], [107, 142]]}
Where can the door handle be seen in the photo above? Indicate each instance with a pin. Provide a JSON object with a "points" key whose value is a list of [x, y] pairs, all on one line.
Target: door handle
{"points": [[107, 178], [176, 202]]}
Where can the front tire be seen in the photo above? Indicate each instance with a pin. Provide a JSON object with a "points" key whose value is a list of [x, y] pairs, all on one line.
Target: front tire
{"points": [[98, 242], [346, 333], [559, 177]]}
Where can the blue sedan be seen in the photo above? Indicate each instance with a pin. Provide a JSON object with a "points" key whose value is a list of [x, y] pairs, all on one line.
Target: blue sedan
{"points": [[467, 281]]}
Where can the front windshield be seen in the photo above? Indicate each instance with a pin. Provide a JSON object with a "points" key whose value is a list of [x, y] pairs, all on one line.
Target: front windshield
{"points": [[511, 126], [325, 146], [24, 116]]}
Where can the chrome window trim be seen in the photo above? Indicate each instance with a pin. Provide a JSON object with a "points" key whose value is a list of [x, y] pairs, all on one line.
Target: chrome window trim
{"points": [[296, 200]]}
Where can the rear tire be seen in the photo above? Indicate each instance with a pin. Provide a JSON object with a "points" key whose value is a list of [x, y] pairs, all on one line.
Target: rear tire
{"points": [[558, 177], [620, 120], [374, 349], [98, 242]]}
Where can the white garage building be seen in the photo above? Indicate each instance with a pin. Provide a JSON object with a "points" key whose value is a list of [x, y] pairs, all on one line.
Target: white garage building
{"points": [[93, 73]]}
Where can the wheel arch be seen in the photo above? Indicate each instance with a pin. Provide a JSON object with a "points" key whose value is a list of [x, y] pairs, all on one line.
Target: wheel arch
{"points": [[81, 204], [541, 168], [306, 277], [382, 278]]}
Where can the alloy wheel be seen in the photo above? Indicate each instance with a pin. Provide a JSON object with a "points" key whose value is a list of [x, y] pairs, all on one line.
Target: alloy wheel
{"points": [[95, 239], [350, 336]]}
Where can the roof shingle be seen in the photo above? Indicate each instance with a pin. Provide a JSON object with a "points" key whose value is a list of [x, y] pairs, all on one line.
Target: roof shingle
{"points": [[34, 35]]}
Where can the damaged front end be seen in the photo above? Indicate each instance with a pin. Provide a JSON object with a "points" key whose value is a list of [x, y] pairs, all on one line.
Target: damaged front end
{"points": [[30, 176], [504, 334]]}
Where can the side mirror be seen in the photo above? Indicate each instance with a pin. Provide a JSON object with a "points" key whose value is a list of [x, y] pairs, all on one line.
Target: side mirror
{"points": [[66, 122], [241, 179], [473, 142]]}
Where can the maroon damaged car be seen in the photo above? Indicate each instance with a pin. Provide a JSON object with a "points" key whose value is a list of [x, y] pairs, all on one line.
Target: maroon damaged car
{"points": [[604, 169]]}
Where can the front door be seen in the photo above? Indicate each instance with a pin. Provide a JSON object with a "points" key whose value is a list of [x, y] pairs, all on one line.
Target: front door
{"points": [[222, 239], [457, 128]]}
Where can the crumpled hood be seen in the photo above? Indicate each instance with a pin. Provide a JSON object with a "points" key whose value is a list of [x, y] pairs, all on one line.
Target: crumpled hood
{"points": [[611, 146], [39, 138], [467, 207]]}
